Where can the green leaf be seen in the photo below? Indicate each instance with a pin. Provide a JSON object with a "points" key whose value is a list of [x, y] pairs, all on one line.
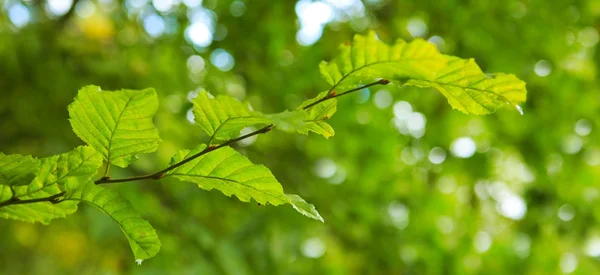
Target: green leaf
{"points": [[42, 212], [55, 174], [304, 121], [368, 58], [140, 234], [471, 91], [224, 117], [318, 114], [117, 124], [304, 207], [231, 173], [17, 169], [300, 121], [418, 63]]}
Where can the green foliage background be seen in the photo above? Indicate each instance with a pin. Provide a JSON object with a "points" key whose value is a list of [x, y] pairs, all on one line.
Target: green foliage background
{"points": [[387, 208]]}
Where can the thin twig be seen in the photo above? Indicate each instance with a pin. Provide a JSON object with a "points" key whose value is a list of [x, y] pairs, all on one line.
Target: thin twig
{"points": [[158, 175], [208, 149], [334, 95], [15, 200]]}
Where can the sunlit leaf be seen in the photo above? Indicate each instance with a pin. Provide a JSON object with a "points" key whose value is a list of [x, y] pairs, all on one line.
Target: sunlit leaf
{"points": [[418, 63], [224, 116], [74, 169], [231, 173], [140, 234], [469, 90], [304, 207], [299, 121], [17, 169], [117, 124], [368, 58], [319, 113]]}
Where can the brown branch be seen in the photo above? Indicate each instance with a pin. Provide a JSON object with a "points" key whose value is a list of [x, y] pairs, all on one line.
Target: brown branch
{"points": [[14, 200], [160, 174], [208, 149], [334, 95]]}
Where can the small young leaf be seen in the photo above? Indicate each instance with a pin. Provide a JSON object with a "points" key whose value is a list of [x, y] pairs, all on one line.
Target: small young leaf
{"points": [[304, 207], [55, 174], [471, 91], [117, 124], [312, 119], [299, 121], [140, 234], [318, 114], [224, 117], [17, 169], [231, 173], [290, 121]]}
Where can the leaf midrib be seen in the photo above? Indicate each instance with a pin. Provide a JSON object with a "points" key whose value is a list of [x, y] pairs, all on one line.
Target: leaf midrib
{"points": [[112, 134]]}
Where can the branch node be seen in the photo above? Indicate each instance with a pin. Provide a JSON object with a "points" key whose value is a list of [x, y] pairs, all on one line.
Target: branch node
{"points": [[384, 82], [266, 129]]}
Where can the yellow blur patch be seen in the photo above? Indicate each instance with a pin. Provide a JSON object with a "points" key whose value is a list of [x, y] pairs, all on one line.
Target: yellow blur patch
{"points": [[97, 27], [26, 234]]}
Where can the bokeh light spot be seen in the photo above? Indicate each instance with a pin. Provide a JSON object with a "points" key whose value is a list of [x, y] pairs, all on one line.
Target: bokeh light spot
{"points": [[222, 60], [313, 248], [463, 147], [19, 15], [542, 68], [199, 34], [437, 155]]}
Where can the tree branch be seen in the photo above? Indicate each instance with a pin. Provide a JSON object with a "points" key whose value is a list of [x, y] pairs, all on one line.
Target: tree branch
{"points": [[334, 95], [14, 200], [160, 174], [208, 149]]}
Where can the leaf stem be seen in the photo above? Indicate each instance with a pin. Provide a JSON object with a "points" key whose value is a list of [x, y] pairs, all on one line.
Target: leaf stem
{"points": [[14, 200], [208, 149], [331, 95], [107, 170]]}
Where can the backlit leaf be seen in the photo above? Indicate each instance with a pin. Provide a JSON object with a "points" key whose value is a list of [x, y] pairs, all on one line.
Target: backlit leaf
{"points": [[117, 124], [368, 58], [304, 207], [55, 173], [17, 169], [224, 117], [469, 90], [418, 63], [231, 173], [140, 234]]}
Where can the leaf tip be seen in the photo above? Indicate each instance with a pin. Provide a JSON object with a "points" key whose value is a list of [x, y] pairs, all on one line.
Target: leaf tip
{"points": [[139, 261]]}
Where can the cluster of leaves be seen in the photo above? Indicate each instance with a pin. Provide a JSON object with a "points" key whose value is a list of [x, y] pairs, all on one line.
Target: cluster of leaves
{"points": [[118, 125]]}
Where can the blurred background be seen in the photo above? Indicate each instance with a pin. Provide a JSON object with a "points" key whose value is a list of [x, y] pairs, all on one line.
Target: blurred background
{"points": [[406, 186]]}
